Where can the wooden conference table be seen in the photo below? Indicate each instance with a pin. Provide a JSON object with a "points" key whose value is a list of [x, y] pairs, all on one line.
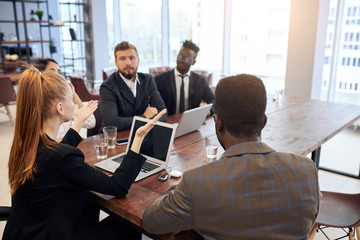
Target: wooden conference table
{"points": [[294, 125]]}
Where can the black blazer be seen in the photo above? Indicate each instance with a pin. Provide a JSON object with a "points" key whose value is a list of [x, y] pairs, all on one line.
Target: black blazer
{"points": [[118, 105], [198, 90], [52, 206]]}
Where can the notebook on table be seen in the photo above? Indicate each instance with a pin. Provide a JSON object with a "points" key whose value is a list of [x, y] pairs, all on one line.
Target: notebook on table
{"points": [[192, 120], [156, 148]]}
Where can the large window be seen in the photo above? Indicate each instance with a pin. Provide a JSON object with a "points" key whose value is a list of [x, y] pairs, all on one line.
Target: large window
{"points": [[140, 24], [255, 43], [341, 82], [201, 21], [259, 35]]}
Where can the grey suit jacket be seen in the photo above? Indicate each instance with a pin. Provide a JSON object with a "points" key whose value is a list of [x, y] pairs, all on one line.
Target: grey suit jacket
{"points": [[251, 192], [118, 105]]}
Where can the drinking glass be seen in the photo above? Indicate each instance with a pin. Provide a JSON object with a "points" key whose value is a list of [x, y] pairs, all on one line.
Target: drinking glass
{"points": [[101, 146], [110, 132], [211, 144]]}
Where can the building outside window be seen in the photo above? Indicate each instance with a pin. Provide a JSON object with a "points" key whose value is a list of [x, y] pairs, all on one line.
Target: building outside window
{"points": [[202, 21], [265, 25], [345, 68]]}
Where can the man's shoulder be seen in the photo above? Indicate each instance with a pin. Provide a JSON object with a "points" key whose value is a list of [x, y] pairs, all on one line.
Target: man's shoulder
{"points": [[111, 80], [164, 75], [144, 77], [201, 171], [283, 158], [198, 76], [299, 159]]}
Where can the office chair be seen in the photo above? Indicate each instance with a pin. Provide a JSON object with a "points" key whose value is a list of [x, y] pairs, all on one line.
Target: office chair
{"points": [[338, 210], [108, 71], [206, 74], [82, 91], [4, 213], [157, 70], [7, 95]]}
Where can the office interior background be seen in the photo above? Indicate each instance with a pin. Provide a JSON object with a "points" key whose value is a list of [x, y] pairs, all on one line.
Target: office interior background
{"points": [[306, 48]]}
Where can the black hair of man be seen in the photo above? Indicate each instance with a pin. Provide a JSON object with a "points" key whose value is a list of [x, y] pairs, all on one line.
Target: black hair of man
{"points": [[190, 45], [42, 63], [240, 103], [125, 45]]}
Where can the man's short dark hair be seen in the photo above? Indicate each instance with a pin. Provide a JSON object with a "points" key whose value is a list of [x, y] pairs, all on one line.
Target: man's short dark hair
{"points": [[42, 63], [240, 103], [190, 45], [125, 45]]}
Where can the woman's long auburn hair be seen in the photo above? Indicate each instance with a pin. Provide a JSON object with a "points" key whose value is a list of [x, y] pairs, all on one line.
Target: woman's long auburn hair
{"points": [[37, 93]]}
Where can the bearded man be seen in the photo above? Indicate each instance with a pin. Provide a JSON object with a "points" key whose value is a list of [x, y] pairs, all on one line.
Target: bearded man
{"points": [[128, 93]]}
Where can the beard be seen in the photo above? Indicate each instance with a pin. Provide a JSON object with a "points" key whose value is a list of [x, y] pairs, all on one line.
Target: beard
{"points": [[127, 74]]}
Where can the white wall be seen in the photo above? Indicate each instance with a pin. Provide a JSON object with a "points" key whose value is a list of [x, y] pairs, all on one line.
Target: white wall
{"points": [[307, 32]]}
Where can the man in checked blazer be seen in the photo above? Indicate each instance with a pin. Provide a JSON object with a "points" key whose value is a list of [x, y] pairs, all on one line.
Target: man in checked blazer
{"points": [[195, 88], [252, 191]]}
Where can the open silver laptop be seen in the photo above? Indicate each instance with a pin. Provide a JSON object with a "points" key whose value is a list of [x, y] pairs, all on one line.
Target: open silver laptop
{"points": [[156, 148], [192, 120]]}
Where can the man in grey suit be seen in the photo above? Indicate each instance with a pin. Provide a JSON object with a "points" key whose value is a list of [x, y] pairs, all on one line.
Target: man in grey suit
{"points": [[180, 88], [252, 191], [128, 93]]}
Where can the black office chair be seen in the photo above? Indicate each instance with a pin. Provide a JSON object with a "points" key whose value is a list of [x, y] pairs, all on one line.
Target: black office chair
{"points": [[4, 213], [7, 95]]}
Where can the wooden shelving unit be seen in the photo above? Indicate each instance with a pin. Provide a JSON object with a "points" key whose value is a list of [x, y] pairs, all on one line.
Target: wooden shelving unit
{"points": [[20, 23], [78, 51], [23, 41]]}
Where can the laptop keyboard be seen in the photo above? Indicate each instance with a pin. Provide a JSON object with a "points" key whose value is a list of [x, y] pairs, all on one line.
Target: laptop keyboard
{"points": [[146, 167], [119, 159]]}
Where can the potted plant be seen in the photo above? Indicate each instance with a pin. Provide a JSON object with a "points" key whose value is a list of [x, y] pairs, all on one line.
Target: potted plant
{"points": [[39, 13], [52, 46]]}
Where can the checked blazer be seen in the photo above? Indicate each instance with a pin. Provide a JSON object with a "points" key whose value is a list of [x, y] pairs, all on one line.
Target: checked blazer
{"points": [[251, 192]]}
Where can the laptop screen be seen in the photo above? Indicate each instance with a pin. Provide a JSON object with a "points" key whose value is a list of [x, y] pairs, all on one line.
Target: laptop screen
{"points": [[156, 143]]}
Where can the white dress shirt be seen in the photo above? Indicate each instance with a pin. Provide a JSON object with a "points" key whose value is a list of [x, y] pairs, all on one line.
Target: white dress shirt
{"points": [[64, 127], [178, 81], [131, 84]]}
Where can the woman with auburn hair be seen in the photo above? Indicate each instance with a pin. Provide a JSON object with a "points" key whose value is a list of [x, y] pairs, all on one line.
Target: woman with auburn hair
{"points": [[49, 181], [51, 64]]}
